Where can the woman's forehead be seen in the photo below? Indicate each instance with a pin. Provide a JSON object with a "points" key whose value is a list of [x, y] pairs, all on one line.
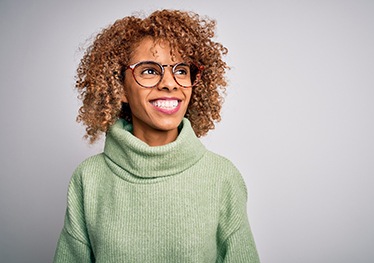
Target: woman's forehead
{"points": [[152, 49]]}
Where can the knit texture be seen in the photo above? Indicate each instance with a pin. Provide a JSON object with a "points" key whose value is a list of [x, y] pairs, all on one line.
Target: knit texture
{"points": [[174, 203]]}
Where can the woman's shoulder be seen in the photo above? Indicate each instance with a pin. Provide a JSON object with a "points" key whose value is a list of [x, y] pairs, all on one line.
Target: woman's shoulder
{"points": [[90, 167], [223, 166], [92, 162], [219, 161], [227, 173]]}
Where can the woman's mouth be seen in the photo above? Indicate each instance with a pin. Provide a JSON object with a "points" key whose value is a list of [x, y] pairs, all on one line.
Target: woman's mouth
{"points": [[167, 106]]}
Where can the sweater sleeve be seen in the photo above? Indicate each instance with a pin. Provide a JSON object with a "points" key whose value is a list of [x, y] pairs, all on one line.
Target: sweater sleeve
{"points": [[73, 244], [69, 250], [235, 240]]}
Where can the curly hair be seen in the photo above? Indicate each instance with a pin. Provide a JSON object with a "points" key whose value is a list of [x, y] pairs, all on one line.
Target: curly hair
{"points": [[100, 73]]}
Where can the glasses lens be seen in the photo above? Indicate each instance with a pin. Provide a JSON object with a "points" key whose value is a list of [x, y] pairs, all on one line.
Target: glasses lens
{"points": [[148, 74], [186, 75]]}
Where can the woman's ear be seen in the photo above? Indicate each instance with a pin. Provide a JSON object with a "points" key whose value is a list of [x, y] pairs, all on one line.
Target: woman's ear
{"points": [[124, 97]]}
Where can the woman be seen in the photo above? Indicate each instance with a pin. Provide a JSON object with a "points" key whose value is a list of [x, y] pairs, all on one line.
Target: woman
{"points": [[155, 194]]}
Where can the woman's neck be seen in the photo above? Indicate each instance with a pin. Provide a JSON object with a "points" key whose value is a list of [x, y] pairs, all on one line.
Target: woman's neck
{"points": [[156, 137]]}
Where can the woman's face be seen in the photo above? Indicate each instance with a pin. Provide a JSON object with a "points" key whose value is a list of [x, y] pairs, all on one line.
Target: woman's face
{"points": [[158, 111]]}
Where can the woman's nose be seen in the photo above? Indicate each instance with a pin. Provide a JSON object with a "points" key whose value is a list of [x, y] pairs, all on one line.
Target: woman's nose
{"points": [[168, 81]]}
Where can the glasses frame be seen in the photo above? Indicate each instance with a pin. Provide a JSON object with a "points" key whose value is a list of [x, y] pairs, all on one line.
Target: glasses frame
{"points": [[200, 69]]}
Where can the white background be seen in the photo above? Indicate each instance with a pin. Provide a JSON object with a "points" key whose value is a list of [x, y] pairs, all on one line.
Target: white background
{"points": [[297, 121]]}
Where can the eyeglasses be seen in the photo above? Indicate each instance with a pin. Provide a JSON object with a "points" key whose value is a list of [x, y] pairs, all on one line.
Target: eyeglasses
{"points": [[149, 74]]}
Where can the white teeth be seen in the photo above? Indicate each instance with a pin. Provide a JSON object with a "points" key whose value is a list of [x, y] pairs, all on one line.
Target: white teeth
{"points": [[165, 104]]}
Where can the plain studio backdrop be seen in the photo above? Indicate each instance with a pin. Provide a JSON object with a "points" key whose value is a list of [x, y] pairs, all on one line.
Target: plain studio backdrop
{"points": [[297, 121]]}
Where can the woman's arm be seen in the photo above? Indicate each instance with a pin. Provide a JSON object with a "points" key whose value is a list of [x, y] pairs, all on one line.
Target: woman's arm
{"points": [[74, 244], [235, 240]]}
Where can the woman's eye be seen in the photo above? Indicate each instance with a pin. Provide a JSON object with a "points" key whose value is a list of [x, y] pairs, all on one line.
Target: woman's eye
{"points": [[181, 70], [150, 71]]}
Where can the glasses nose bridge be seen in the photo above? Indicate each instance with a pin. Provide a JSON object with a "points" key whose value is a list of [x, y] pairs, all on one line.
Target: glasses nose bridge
{"points": [[164, 66], [171, 72]]}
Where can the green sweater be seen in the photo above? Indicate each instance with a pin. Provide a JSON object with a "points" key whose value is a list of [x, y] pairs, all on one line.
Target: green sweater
{"points": [[174, 203]]}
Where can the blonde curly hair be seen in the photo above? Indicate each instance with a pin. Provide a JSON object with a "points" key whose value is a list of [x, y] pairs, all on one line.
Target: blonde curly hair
{"points": [[100, 74]]}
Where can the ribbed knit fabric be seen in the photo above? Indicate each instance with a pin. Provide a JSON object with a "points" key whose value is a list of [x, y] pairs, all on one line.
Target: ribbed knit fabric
{"points": [[174, 203]]}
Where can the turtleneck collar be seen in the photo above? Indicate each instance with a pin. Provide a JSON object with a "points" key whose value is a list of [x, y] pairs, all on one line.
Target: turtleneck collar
{"points": [[144, 161]]}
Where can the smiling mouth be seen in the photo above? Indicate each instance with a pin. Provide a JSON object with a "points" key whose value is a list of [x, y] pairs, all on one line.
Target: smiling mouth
{"points": [[165, 104]]}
